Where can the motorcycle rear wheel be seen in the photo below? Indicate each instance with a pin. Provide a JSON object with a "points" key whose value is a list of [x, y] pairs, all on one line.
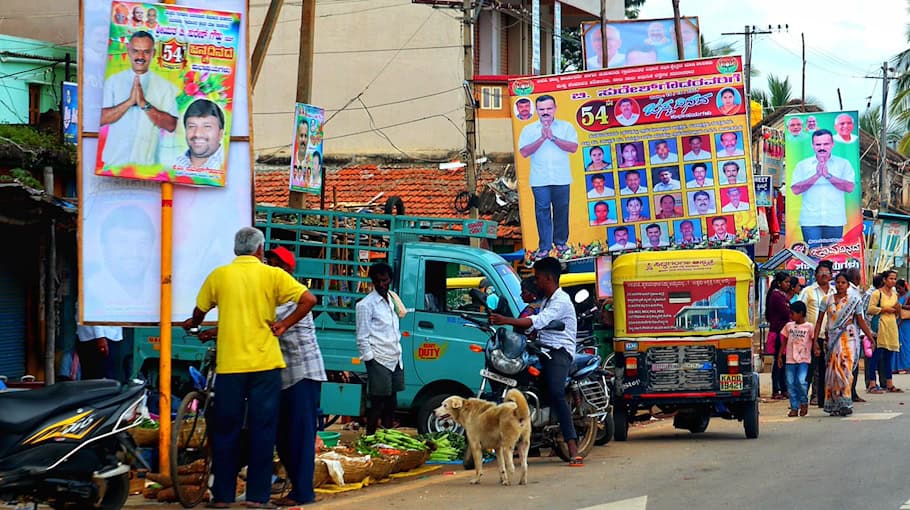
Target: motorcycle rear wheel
{"points": [[115, 496], [585, 429]]}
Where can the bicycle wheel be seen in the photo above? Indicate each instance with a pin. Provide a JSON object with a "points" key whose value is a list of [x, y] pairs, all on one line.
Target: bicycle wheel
{"points": [[191, 455]]}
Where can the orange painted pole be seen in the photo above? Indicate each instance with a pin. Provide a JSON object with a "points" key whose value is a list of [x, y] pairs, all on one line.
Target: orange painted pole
{"points": [[164, 360]]}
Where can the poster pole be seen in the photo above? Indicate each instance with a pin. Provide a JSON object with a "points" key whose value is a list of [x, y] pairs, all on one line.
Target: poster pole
{"points": [[164, 358]]}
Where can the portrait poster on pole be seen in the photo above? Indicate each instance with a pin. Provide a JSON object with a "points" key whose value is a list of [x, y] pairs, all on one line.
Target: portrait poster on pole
{"points": [[823, 189], [70, 112], [306, 161], [647, 157], [120, 219], [639, 42], [169, 85]]}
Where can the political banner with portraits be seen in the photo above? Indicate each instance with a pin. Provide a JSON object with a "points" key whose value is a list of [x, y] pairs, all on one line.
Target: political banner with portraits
{"points": [[635, 158], [306, 160], [639, 42], [70, 112], [120, 219], [823, 189], [169, 87]]}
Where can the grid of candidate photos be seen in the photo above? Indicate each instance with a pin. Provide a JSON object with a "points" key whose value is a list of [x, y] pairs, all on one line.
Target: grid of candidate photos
{"points": [[667, 191]]}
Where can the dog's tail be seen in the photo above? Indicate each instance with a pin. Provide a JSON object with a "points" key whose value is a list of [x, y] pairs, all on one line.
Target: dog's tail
{"points": [[523, 412]]}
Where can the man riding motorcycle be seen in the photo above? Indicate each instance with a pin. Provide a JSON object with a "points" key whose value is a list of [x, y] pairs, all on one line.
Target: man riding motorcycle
{"points": [[556, 306]]}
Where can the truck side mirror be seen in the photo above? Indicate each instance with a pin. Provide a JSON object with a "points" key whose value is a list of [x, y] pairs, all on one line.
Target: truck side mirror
{"points": [[493, 302]]}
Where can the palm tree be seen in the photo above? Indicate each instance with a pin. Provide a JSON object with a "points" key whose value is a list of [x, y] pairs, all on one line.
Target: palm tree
{"points": [[900, 105], [870, 121], [779, 93]]}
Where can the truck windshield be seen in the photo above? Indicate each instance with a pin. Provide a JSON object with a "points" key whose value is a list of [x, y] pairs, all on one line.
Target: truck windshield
{"points": [[512, 281]]}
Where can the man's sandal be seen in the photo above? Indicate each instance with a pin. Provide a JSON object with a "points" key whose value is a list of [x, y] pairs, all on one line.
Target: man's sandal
{"points": [[577, 461]]}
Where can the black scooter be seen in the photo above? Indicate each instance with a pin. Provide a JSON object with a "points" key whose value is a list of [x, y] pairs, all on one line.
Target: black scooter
{"points": [[64, 445]]}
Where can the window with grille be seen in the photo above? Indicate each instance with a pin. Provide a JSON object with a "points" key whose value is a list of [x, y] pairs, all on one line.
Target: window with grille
{"points": [[490, 98]]}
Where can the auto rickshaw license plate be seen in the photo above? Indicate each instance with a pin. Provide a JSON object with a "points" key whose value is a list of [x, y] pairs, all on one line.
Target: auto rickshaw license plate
{"points": [[731, 382]]}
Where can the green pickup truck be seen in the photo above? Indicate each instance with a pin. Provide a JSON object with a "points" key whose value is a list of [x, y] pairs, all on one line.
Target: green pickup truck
{"points": [[430, 257]]}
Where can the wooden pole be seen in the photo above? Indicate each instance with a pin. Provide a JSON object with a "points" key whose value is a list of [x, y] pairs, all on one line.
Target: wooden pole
{"points": [[264, 39], [680, 52], [470, 127], [802, 37], [297, 199], [603, 34]]}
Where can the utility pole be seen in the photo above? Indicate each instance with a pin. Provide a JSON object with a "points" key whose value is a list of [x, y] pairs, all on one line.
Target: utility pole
{"points": [[748, 32], [470, 128], [603, 34], [296, 199], [262, 42], [883, 184]]}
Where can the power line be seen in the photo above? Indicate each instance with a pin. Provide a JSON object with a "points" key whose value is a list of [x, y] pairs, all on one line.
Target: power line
{"points": [[387, 139], [390, 103], [375, 50]]}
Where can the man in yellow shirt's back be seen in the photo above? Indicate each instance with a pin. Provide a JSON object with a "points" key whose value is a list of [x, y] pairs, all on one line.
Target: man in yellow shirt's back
{"points": [[248, 363]]}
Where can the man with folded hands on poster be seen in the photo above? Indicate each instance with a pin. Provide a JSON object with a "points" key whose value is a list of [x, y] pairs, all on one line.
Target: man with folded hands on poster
{"points": [[823, 181], [204, 126], [136, 105], [249, 362], [548, 143]]}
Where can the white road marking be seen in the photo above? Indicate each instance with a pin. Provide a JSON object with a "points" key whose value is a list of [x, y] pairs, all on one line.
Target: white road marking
{"points": [[640, 503], [871, 416], [905, 506]]}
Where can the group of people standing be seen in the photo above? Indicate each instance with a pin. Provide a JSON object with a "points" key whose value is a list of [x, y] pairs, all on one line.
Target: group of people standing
{"points": [[819, 334]]}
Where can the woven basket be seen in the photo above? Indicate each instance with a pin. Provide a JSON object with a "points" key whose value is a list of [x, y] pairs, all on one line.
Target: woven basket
{"points": [[184, 440], [382, 467], [144, 437], [396, 463], [356, 468], [411, 459], [321, 474]]}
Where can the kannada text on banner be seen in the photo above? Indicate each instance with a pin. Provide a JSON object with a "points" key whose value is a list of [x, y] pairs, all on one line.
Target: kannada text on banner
{"points": [[306, 161], [639, 42], [823, 195], [680, 305], [644, 157], [168, 93]]}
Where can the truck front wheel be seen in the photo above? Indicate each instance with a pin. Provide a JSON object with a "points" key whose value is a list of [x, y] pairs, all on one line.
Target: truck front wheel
{"points": [[427, 421]]}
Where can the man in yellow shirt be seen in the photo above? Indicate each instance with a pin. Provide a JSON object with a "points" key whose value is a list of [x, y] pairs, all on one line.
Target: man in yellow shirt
{"points": [[248, 362]]}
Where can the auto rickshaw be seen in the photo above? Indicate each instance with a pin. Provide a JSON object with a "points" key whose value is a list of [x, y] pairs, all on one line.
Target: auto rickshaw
{"points": [[684, 324]]}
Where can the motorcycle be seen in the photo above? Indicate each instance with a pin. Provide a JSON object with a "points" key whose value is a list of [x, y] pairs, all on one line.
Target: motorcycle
{"points": [[513, 361], [587, 343], [64, 445]]}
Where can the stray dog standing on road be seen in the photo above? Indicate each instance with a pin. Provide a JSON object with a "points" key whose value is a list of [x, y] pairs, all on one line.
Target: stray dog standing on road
{"points": [[502, 427]]}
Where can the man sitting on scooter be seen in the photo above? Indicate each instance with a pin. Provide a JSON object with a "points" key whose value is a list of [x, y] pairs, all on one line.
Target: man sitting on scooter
{"points": [[556, 306]]}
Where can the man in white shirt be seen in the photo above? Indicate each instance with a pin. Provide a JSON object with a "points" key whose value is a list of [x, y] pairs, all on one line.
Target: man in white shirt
{"points": [[696, 153], [548, 143], [843, 124], [633, 184], [655, 236], [665, 180], [701, 203], [379, 344], [626, 116], [731, 172], [599, 188], [734, 204], [662, 153], [136, 105], [559, 345], [686, 233], [719, 227], [621, 240], [700, 174], [98, 348], [728, 142], [823, 181]]}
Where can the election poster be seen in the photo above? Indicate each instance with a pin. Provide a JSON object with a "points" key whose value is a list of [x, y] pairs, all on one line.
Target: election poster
{"points": [[70, 112], [639, 42], [120, 219], [763, 190], [823, 196], [648, 157], [680, 305], [306, 160], [169, 86]]}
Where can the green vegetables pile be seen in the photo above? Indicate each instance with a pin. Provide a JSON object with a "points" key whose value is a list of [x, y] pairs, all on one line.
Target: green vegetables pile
{"points": [[449, 445]]}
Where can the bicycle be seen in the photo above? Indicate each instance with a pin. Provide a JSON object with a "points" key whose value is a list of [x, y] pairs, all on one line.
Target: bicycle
{"points": [[191, 455]]}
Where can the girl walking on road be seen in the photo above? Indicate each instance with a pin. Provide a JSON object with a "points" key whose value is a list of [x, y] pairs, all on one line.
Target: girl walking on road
{"points": [[798, 338], [844, 321]]}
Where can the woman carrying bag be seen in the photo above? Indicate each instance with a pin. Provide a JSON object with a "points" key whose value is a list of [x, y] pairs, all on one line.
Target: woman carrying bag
{"points": [[883, 304]]}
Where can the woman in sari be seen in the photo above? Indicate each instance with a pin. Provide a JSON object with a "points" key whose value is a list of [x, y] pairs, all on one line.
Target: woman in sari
{"points": [[844, 315], [902, 358]]}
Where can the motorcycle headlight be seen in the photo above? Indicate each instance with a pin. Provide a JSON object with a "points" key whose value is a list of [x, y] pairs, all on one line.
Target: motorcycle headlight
{"points": [[504, 364]]}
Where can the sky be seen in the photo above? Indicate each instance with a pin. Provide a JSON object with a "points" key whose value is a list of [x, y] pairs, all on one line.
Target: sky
{"points": [[844, 42]]}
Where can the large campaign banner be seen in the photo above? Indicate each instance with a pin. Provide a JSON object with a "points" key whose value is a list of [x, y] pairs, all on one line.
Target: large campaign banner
{"points": [[639, 42], [646, 157], [70, 112], [120, 219], [306, 161], [169, 86], [823, 187]]}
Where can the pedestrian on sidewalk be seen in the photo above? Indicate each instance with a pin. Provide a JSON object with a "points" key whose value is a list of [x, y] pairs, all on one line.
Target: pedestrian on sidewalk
{"points": [[843, 322], [814, 296], [883, 304], [301, 381], [777, 312], [798, 336], [856, 286], [901, 362]]}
